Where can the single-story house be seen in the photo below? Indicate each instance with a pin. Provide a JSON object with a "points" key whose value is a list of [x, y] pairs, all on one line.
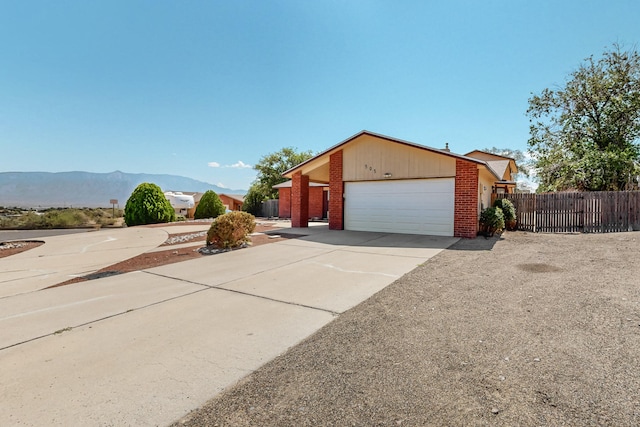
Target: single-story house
{"points": [[380, 183], [233, 202], [318, 199]]}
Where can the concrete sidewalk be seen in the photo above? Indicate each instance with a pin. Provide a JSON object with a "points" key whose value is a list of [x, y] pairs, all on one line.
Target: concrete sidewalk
{"points": [[145, 348]]}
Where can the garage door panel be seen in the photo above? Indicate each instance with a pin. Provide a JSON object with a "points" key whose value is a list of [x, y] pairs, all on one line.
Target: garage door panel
{"points": [[404, 206]]}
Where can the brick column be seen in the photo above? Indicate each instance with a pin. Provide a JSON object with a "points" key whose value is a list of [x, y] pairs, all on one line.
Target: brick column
{"points": [[300, 200], [465, 222], [336, 189], [284, 206]]}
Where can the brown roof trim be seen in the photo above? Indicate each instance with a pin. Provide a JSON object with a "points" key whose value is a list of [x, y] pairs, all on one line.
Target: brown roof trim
{"points": [[289, 184], [388, 138], [493, 154]]}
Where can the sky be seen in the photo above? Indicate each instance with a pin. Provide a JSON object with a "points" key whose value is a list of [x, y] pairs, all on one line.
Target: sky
{"points": [[204, 89]]}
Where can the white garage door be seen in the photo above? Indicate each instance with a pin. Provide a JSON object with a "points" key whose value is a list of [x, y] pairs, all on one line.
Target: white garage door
{"points": [[418, 206]]}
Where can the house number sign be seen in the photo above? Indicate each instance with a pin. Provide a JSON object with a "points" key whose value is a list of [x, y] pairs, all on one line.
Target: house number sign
{"points": [[369, 168]]}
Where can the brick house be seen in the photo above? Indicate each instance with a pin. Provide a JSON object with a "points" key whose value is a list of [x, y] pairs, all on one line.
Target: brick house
{"points": [[380, 183], [233, 202], [318, 200]]}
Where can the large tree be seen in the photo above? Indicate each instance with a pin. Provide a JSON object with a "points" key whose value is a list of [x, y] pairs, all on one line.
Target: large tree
{"points": [[271, 167], [585, 135]]}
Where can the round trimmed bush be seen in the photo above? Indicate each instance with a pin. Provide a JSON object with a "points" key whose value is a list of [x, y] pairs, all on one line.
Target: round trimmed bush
{"points": [[210, 206], [148, 205], [231, 230]]}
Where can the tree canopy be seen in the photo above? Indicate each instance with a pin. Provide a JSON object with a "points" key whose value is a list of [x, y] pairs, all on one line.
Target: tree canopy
{"points": [[584, 135], [271, 167]]}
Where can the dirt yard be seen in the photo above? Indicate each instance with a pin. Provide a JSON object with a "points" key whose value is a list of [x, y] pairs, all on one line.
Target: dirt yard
{"points": [[523, 330]]}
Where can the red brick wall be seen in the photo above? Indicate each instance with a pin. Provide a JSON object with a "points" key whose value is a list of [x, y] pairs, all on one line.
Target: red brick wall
{"points": [[336, 189], [284, 205], [300, 200], [465, 222], [315, 202]]}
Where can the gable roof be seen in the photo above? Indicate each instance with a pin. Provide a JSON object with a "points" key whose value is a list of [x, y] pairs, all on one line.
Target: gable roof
{"points": [[500, 164], [324, 156], [236, 197]]}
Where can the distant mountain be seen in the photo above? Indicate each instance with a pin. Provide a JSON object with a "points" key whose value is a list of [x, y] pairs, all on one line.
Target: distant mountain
{"points": [[86, 189]]}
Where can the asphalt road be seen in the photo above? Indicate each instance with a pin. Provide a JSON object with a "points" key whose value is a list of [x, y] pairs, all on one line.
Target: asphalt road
{"points": [[10, 235]]}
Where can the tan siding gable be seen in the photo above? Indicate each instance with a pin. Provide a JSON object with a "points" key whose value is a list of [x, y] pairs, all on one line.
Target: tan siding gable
{"points": [[368, 158]]}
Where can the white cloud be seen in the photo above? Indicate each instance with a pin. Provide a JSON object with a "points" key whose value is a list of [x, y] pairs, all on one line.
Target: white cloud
{"points": [[221, 185], [239, 165]]}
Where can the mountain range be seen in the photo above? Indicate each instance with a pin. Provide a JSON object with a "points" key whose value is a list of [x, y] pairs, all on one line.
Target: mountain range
{"points": [[87, 189]]}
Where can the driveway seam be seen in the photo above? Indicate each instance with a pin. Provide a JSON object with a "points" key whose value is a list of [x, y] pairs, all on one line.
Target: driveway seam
{"points": [[105, 318], [222, 288]]}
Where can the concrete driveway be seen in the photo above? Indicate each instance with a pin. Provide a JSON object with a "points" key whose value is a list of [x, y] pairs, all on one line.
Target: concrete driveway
{"points": [[145, 348], [64, 256]]}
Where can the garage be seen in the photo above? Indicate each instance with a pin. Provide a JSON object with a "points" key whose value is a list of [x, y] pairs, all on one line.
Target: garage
{"points": [[415, 206]]}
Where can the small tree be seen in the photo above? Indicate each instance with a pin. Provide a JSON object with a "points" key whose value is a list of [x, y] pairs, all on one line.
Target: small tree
{"points": [[148, 205], [253, 200], [210, 206]]}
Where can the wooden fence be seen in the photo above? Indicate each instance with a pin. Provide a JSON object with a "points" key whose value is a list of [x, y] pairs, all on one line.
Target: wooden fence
{"points": [[269, 208], [590, 212]]}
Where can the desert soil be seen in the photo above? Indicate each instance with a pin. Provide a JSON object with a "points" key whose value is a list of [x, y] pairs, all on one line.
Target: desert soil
{"points": [[521, 330]]}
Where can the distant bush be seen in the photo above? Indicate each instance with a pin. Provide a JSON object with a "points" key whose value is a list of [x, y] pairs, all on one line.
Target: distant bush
{"points": [[231, 230], [491, 221], [148, 205], [210, 206]]}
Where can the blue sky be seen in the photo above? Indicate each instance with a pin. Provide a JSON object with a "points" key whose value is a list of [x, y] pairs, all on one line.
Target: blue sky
{"points": [[205, 88]]}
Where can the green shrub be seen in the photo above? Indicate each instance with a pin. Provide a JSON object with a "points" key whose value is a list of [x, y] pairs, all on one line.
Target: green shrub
{"points": [[507, 207], [231, 230], [148, 205], [253, 200], [491, 221], [210, 206]]}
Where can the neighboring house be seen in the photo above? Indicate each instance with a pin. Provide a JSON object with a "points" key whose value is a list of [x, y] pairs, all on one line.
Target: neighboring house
{"points": [[380, 183], [318, 200], [233, 202]]}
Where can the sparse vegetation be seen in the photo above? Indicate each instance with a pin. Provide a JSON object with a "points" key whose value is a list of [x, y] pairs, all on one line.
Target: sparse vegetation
{"points": [[15, 218], [231, 230]]}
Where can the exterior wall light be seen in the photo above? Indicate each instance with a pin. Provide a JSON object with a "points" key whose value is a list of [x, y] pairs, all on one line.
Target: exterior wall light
{"points": [[387, 175]]}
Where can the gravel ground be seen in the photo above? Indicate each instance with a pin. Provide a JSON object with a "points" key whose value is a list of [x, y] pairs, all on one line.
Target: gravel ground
{"points": [[523, 330]]}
